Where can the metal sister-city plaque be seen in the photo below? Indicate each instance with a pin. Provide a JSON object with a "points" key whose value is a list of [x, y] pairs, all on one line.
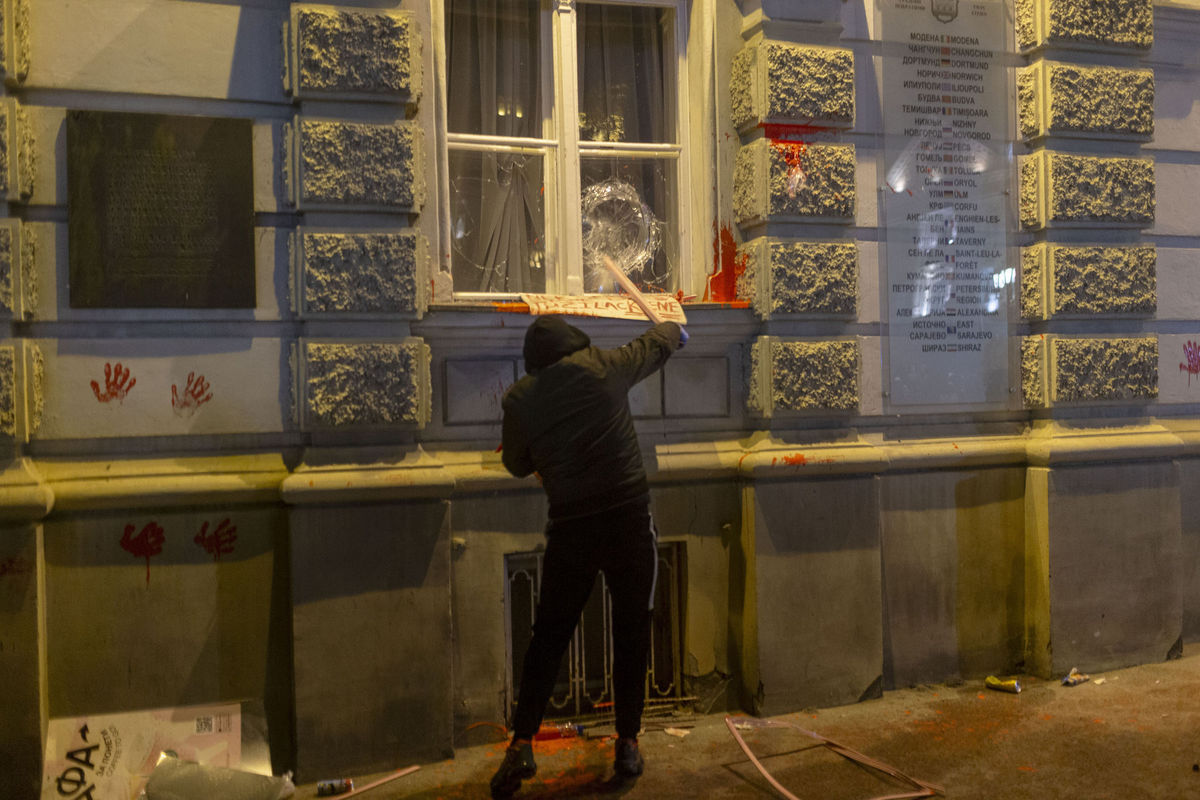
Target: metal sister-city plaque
{"points": [[160, 211], [949, 287]]}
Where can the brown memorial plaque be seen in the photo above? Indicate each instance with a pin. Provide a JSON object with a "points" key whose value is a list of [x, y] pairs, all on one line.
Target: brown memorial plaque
{"points": [[160, 211]]}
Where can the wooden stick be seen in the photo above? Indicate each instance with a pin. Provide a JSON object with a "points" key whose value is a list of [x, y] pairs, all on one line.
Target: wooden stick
{"points": [[632, 290], [381, 781]]}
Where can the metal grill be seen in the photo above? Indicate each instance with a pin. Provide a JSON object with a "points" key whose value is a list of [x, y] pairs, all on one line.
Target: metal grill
{"points": [[584, 685]]}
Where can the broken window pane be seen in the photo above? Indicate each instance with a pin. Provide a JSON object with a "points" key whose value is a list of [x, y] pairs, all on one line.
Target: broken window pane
{"points": [[497, 221], [494, 71], [622, 94], [629, 214]]}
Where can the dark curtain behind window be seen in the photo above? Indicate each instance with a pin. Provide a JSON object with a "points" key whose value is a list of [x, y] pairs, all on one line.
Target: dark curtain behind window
{"points": [[494, 88]]}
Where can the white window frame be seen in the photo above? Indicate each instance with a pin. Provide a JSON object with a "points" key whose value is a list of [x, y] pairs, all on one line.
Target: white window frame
{"points": [[563, 150]]}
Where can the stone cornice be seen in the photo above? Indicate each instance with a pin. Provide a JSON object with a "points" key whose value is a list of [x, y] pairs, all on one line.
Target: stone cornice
{"points": [[361, 476], [77, 484], [24, 495], [32, 490]]}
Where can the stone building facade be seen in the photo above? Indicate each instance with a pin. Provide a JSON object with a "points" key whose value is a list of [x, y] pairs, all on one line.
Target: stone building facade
{"points": [[300, 502]]}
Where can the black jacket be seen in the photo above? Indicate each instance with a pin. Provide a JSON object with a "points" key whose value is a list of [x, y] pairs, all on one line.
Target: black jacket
{"points": [[569, 419]]}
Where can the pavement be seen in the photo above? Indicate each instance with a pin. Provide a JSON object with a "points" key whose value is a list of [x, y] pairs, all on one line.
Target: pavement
{"points": [[1130, 733]]}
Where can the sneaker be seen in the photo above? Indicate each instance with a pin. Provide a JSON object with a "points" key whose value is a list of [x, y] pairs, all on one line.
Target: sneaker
{"points": [[628, 760], [518, 765]]}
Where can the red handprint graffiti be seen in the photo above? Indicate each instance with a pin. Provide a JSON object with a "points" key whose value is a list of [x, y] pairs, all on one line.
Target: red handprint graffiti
{"points": [[1191, 351], [220, 542], [117, 383], [147, 543], [195, 394]]}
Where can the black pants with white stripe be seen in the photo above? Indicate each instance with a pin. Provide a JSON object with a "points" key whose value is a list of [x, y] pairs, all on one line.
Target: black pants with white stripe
{"points": [[620, 543]]}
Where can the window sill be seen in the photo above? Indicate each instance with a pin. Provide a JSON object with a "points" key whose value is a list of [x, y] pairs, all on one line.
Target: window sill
{"points": [[517, 307]]}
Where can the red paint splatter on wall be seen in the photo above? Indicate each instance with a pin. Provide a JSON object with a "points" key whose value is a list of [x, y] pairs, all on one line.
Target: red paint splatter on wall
{"points": [[15, 566], [220, 541], [777, 131], [146, 544], [791, 141], [194, 395], [793, 155], [117, 383], [799, 460], [728, 266], [1191, 351]]}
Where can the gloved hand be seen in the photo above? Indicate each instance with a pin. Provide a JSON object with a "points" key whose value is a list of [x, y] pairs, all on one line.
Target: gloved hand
{"points": [[683, 337]]}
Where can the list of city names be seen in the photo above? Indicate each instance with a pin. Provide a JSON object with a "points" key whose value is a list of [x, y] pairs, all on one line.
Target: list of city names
{"points": [[945, 99]]}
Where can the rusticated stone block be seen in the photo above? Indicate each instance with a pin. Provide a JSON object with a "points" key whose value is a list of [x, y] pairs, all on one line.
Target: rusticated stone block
{"points": [[793, 181], [26, 157], [1097, 370], [1030, 203], [784, 276], [1029, 95], [1060, 280], [9, 266], [354, 384], [1113, 25], [8, 148], [17, 152], [1103, 280], [1061, 189], [1077, 100], [8, 390], [804, 376], [355, 53], [30, 287], [37, 386], [14, 41], [789, 83], [357, 165], [1033, 371], [364, 272], [1033, 282]]}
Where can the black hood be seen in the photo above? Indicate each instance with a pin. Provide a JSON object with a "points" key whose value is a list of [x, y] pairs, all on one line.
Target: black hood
{"points": [[548, 339]]}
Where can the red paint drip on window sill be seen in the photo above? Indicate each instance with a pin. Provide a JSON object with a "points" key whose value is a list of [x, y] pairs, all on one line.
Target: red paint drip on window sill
{"points": [[728, 266]]}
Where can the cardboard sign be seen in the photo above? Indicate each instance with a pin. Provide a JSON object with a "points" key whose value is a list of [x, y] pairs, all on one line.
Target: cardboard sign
{"points": [[103, 756], [615, 306]]}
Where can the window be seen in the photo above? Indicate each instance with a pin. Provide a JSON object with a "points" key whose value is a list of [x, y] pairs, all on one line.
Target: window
{"points": [[565, 142]]}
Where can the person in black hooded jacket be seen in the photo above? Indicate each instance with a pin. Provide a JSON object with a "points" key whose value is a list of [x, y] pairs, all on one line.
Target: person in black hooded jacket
{"points": [[568, 420]]}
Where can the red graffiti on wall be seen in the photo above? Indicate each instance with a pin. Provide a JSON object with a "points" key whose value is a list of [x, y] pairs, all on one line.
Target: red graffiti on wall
{"points": [[220, 542], [15, 566], [117, 383], [1191, 351], [149, 542], [195, 394]]}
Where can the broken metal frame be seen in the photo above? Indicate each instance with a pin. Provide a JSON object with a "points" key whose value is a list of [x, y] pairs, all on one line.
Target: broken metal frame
{"points": [[920, 788]]}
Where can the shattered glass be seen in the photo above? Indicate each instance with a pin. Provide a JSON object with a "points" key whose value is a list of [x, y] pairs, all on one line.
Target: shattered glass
{"points": [[497, 222], [617, 224], [628, 215]]}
